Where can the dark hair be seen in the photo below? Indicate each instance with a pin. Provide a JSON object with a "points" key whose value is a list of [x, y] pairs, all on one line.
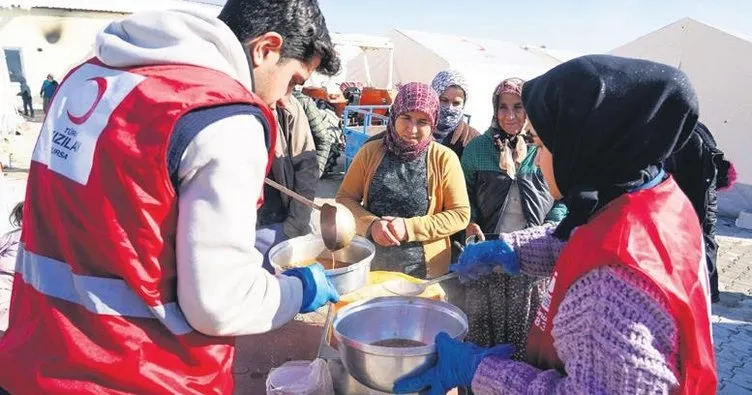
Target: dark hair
{"points": [[16, 215], [299, 22]]}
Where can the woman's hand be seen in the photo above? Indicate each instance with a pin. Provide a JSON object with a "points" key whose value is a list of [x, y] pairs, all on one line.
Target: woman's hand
{"points": [[479, 259], [397, 227], [474, 230], [456, 366], [382, 235]]}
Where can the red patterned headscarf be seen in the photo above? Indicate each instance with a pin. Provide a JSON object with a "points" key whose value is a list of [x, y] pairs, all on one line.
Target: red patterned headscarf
{"points": [[418, 97]]}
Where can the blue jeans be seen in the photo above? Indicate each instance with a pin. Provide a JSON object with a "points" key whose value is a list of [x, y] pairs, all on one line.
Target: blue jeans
{"points": [[267, 237]]}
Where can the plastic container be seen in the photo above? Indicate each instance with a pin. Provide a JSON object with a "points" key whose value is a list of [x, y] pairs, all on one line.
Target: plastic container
{"points": [[357, 135], [300, 378]]}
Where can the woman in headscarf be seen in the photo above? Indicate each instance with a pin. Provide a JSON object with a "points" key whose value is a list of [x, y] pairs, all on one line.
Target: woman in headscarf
{"points": [[451, 128], [507, 193], [406, 191], [624, 312]]}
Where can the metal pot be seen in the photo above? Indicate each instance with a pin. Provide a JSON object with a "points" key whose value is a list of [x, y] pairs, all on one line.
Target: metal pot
{"points": [[359, 325], [347, 279]]}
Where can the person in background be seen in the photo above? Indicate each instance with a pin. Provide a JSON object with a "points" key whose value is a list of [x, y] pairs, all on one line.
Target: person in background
{"points": [[507, 193], [453, 131], [294, 166], [624, 313], [451, 128], [25, 94], [8, 250], [700, 169], [49, 86], [324, 125], [406, 191], [137, 267]]}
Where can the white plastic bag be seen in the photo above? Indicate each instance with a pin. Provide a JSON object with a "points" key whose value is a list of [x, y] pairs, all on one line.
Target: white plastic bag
{"points": [[300, 378]]}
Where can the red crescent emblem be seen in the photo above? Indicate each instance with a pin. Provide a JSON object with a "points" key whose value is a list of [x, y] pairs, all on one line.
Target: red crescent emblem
{"points": [[101, 89]]}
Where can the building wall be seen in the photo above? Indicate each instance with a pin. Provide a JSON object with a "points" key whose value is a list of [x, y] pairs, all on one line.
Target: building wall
{"points": [[51, 41]]}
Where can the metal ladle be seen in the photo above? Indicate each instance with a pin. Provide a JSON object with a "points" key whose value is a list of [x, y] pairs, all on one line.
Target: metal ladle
{"points": [[337, 222], [406, 288]]}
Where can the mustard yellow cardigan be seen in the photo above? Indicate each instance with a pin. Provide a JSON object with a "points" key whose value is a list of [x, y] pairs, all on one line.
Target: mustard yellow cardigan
{"points": [[448, 205]]}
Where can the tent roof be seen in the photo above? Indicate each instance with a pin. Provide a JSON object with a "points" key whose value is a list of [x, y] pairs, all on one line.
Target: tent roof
{"points": [[459, 49], [719, 64], [676, 28], [113, 6], [557, 55], [362, 40], [418, 56]]}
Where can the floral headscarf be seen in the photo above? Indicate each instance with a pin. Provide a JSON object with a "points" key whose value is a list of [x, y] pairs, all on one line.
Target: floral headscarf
{"points": [[413, 96], [512, 148], [449, 117]]}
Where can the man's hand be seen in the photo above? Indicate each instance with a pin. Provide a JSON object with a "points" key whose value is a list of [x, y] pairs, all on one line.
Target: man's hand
{"points": [[397, 227], [382, 235], [318, 289]]}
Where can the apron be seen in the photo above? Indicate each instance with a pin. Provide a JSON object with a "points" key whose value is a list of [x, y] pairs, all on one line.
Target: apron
{"points": [[655, 233], [400, 189]]}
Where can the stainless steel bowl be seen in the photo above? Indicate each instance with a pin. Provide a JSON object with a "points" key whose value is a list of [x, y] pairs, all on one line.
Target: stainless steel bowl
{"points": [[347, 279], [359, 325]]}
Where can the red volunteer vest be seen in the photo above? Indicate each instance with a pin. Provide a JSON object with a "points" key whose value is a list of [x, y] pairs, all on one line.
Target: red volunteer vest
{"points": [[94, 304], [656, 234]]}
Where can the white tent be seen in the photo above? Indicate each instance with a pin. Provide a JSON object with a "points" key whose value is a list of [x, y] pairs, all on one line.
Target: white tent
{"points": [[418, 56], [366, 59], [10, 120], [720, 67]]}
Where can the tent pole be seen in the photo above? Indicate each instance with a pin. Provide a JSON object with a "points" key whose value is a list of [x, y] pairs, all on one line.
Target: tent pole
{"points": [[367, 67], [390, 71]]}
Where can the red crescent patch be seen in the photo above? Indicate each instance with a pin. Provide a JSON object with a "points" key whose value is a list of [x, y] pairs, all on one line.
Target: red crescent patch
{"points": [[101, 89]]}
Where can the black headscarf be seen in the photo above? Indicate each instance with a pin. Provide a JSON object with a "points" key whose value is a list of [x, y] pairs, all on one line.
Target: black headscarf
{"points": [[609, 122]]}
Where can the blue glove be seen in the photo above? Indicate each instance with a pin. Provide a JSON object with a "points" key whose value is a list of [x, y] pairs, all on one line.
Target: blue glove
{"points": [[456, 366], [317, 289], [479, 259]]}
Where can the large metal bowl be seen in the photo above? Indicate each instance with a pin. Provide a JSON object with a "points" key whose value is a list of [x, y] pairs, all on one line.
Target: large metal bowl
{"points": [[359, 325], [347, 279]]}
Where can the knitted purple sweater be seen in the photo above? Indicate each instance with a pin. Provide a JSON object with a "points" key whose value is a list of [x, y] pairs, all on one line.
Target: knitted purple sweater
{"points": [[613, 332]]}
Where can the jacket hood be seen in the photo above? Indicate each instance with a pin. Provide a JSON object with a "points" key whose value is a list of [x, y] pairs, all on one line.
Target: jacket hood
{"points": [[173, 37]]}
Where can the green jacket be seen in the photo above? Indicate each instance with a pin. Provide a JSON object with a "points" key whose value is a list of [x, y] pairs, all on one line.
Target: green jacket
{"points": [[324, 128]]}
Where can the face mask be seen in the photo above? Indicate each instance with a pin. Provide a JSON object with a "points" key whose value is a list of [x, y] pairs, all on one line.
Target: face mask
{"points": [[449, 117]]}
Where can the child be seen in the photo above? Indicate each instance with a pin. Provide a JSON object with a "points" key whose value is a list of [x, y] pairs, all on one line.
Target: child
{"points": [[8, 248]]}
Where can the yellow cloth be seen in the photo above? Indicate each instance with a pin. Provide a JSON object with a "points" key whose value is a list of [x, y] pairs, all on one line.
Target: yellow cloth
{"points": [[448, 206]]}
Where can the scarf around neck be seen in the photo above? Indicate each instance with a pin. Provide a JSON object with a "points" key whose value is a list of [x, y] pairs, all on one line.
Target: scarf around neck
{"points": [[512, 147]]}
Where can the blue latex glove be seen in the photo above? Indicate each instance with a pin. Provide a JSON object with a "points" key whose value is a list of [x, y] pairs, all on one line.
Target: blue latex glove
{"points": [[457, 363], [317, 289], [481, 258]]}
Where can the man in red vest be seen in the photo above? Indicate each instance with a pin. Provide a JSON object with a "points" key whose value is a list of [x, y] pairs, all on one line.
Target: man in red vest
{"points": [[137, 266]]}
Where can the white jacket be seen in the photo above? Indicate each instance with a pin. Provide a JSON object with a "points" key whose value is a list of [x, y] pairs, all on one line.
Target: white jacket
{"points": [[222, 288]]}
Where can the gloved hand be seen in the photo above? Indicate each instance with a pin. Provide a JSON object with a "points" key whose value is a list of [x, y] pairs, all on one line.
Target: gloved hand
{"points": [[317, 289], [456, 366], [481, 258]]}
